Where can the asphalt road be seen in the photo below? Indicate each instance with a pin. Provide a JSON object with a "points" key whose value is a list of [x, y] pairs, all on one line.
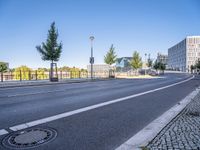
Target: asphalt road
{"points": [[102, 128]]}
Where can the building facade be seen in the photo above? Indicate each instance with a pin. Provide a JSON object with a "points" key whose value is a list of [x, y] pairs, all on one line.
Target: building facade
{"points": [[162, 58], [184, 54], [123, 63], [99, 68]]}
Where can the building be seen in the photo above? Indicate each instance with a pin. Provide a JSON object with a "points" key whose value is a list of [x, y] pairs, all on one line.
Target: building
{"points": [[99, 68], [184, 54], [123, 63], [162, 58]]}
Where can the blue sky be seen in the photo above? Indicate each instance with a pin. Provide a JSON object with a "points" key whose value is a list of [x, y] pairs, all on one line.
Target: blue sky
{"points": [[148, 26]]}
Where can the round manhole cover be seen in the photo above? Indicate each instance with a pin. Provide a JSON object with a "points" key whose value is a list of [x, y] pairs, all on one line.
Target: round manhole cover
{"points": [[29, 138]]}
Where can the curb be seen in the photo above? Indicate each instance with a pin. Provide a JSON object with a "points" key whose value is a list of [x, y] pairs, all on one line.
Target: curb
{"points": [[24, 84], [148, 133]]}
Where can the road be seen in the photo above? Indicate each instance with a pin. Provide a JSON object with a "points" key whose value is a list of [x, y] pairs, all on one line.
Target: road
{"points": [[105, 127]]}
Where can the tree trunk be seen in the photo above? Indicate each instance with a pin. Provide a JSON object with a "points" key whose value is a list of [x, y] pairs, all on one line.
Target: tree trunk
{"points": [[51, 70], [53, 77]]}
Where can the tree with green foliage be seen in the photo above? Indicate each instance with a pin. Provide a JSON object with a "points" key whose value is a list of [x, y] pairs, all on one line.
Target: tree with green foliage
{"points": [[42, 73], [136, 61], [159, 66], [3, 67], [64, 68], [110, 57], [22, 72], [197, 65], [149, 62], [192, 67], [51, 50]]}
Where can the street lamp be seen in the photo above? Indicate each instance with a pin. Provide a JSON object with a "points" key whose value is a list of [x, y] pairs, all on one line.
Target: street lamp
{"points": [[91, 58], [145, 63]]}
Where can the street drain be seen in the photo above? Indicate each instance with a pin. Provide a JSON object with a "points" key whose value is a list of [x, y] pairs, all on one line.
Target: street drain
{"points": [[29, 138]]}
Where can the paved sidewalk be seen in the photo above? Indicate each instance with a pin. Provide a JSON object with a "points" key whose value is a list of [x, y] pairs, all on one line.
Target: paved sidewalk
{"points": [[7, 84], [183, 132]]}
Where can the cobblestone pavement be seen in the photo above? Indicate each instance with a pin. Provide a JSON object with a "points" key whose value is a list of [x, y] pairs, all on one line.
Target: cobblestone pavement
{"points": [[183, 132]]}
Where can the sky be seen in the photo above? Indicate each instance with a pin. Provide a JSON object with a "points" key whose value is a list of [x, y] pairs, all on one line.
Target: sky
{"points": [[146, 26]]}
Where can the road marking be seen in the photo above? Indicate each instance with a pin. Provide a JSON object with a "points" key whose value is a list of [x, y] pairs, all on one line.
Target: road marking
{"points": [[70, 113], [148, 133], [3, 131]]}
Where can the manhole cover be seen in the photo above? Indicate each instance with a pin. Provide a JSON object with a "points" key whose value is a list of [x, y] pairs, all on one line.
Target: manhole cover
{"points": [[29, 138]]}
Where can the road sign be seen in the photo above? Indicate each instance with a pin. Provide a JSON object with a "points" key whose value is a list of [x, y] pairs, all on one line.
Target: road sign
{"points": [[92, 60]]}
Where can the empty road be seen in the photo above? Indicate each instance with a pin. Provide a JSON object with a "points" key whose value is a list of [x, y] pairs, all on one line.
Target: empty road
{"points": [[119, 109]]}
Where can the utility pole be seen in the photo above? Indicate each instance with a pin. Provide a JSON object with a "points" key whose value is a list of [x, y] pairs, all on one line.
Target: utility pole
{"points": [[91, 58]]}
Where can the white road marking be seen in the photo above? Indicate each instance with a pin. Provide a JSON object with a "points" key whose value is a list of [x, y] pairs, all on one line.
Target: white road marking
{"points": [[3, 131], [70, 113], [147, 134]]}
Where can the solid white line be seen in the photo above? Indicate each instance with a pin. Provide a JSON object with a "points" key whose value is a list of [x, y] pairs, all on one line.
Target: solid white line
{"points": [[147, 134], [66, 114], [3, 131]]}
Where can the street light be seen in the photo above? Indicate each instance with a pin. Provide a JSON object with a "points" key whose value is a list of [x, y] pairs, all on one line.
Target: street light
{"points": [[91, 58], [145, 63]]}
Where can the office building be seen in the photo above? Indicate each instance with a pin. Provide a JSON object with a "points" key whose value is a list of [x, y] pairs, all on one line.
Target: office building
{"points": [[162, 58], [184, 54]]}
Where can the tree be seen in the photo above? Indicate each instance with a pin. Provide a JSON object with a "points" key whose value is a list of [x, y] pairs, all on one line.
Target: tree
{"points": [[136, 61], [192, 67], [149, 62], [110, 57], [64, 68], [51, 50], [159, 66], [3, 67], [22, 72], [197, 65], [42, 73]]}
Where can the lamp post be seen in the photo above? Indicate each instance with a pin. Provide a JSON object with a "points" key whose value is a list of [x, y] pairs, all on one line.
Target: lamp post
{"points": [[91, 58], [145, 63]]}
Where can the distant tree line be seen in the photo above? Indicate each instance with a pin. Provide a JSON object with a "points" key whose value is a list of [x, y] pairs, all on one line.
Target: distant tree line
{"points": [[196, 66], [136, 61], [26, 73]]}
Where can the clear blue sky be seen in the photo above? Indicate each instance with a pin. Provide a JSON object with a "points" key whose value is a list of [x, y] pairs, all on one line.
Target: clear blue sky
{"points": [[148, 26]]}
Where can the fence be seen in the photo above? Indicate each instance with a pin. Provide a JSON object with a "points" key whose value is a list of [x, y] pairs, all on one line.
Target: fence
{"points": [[38, 75]]}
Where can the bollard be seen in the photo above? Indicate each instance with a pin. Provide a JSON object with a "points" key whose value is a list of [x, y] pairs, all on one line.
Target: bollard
{"points": [[60, 74], [70, 74], [36, 75], [79, 74], [20, 75], [29, 75]]}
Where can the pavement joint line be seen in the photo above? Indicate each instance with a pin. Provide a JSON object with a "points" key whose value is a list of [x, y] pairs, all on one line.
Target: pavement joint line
{"points": [[148, 133], [34, 93], [70, 113], [3, 131], [35, 84]]}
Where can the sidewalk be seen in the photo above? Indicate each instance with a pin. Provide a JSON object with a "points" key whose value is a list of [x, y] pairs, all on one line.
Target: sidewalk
{"points": [[8, 84], [183, 132]]}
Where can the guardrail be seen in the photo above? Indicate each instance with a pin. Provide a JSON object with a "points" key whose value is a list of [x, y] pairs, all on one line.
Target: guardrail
{"points": [[38, 75]]}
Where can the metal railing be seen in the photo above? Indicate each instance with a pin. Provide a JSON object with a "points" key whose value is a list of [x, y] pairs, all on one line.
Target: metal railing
{"points": [[38, 75]]}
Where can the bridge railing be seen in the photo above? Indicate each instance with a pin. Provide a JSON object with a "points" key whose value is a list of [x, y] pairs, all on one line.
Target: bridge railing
{"points": [[38, 75]]}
